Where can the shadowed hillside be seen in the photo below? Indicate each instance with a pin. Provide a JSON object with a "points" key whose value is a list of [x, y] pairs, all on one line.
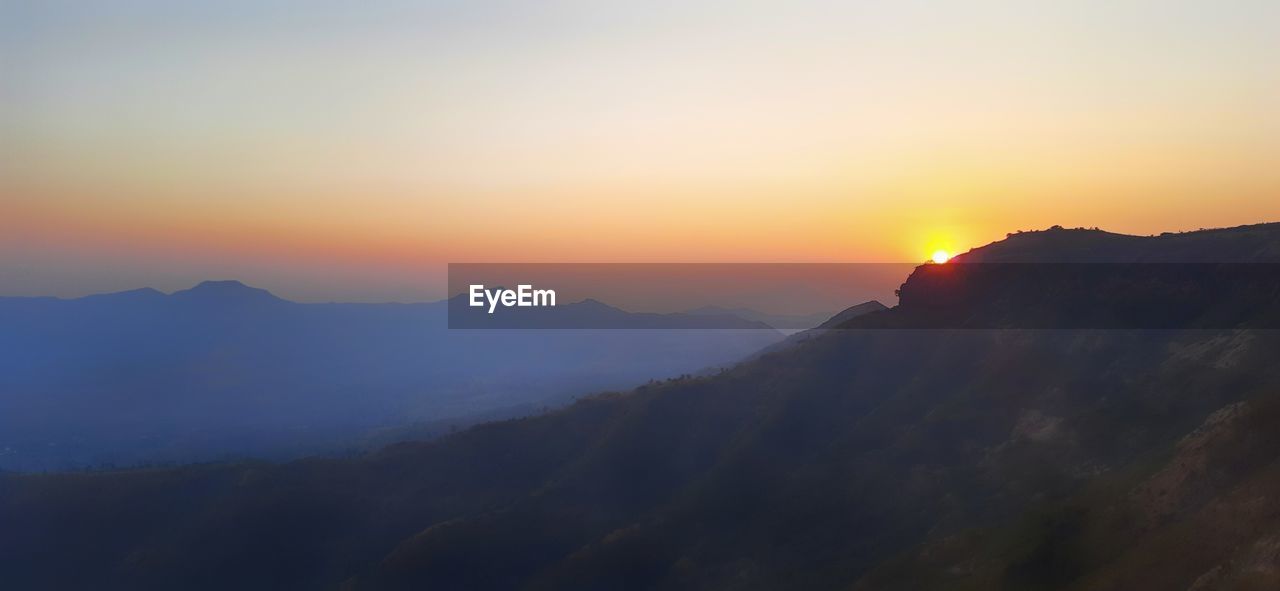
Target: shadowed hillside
{"points": [[869, 459]]}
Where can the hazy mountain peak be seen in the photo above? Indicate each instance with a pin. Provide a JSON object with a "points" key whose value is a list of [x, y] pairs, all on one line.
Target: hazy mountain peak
{"points": [[140, 294], [220, 284], [853, 312], [226, 290]]}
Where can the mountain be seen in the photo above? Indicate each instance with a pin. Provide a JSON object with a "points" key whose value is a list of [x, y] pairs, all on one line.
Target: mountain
{"points": [[876, 458], [779, 321], [228, 370], [227, 293], [850, 313], [589, 314], [1059, 279], [839, 320], [1258, 243]]}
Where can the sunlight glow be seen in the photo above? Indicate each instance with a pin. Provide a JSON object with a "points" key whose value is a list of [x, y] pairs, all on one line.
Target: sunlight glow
{"points": [[941, 256]]}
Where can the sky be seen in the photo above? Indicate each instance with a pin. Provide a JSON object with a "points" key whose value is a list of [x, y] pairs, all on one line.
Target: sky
{"points": [[340, 151]]}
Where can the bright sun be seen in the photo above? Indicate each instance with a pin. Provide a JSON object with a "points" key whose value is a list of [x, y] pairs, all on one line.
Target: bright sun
{"points": [[941, 256]]}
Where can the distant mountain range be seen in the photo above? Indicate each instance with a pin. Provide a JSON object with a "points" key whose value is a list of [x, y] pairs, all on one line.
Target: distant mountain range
{"points": [[226, 370], [591, 314], [784, 322], [1091, 458]]}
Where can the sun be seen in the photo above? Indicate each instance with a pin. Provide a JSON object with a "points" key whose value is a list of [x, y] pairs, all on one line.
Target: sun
{"points": [[941, 256]]}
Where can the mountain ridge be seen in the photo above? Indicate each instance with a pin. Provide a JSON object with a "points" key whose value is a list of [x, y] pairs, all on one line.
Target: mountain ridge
{"points": [[866, 459], [228, 370], [1238, 244]]}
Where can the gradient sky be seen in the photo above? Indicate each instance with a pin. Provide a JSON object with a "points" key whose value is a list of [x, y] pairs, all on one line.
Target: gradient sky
{"points": [[347, 150]]}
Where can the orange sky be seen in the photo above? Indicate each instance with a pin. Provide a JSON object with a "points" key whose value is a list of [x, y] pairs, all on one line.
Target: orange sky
{"points": [[350, 156]]}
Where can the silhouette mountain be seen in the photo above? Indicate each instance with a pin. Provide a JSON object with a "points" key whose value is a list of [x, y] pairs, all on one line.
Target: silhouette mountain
{"points": [[1062, 278], [227, 370], [228, 292], [779, 321], [1258, 243], [1087, 458], [589, 314], [841, 319], [852, 312], [143, 295]]}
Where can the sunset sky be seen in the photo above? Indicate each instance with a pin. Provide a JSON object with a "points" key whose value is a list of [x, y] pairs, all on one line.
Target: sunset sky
{"points": [[348, 150]]}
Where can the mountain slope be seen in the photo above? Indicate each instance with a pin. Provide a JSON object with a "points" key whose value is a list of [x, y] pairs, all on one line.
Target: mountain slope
{"points": [[226, 370], [1256, 243], [872, 459]]}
